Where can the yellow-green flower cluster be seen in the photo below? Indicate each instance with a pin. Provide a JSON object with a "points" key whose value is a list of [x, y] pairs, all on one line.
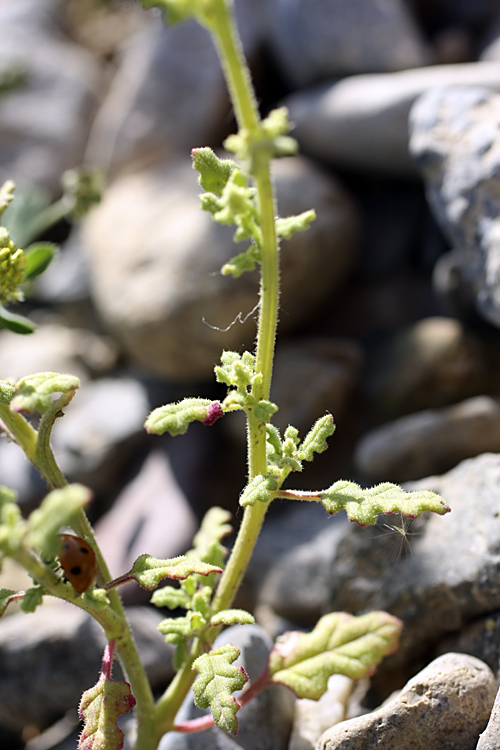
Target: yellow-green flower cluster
{"points": [[12, 269]]}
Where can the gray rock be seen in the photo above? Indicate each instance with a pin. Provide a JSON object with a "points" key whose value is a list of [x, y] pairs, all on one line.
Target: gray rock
{"points": [[455, 141], [155, 259], [429, 442], [102, 432], [480, 639], [361, 122], [150, 515], [51, 656], [290, 570], [264, 723], [44, 120], [67, 277], [319, 39], [432, 363], [444, 575], [168, 94], [447, 705], [330, 369], [490, 738], [54, 347]]}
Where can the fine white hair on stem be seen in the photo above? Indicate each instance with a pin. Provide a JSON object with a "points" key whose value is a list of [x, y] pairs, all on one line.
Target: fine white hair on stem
{"points": [[238, 319]]}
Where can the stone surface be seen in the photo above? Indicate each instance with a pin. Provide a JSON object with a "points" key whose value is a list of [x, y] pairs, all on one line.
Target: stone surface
{"points": [[432, 363], [361, 122], [444, 576], [67, 277], [312, 718], [290, 569], [168, 94], [264, 723], [312, 376], [156, 277], [150, 515], [490, 738], [314, 40], [480, 639], [455, 142], [54, 347], [102, 432], [44, 120], [446, 705], [51, 656], [429, 442]]}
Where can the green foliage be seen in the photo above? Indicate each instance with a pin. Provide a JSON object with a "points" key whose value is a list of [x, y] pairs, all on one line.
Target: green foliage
{"points": [[82, 190], [214, 172], [32, 599], [12, 269], [271, 140], [148, 571], [315, 440], [6, 597], [232, 617], [58, 509], [100, 708], [33, 393], [176, 418], [259, 489], [38, 258], [339, 644], [363, 506], [6, 195], [217, 679], [287, 227]]}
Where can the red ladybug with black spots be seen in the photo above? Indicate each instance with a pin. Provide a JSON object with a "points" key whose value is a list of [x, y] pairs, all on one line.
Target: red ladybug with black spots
{"points": [[78, 561]]}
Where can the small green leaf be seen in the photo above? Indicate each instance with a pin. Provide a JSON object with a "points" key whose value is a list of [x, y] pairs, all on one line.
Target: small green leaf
{"points": [[339, 644], [176, 418], [232, 617], [7, 390], [15, 323], [287, 227], [148, 571], [214, 172], [32, 599], [315, 440], [100, 708], [171, 598], [264, 410], [363, 506], [238, 265], [259, 489], [33, 393], [6, 597], [178, 627], [217, 679], [38, 258], [57, 509]]}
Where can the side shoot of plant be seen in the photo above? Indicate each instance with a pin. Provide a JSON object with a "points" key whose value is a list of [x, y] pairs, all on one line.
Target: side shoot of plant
{"points": [[71, 567]]}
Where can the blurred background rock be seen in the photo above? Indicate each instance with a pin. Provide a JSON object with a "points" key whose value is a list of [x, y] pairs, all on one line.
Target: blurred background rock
{"points": [[389, 314]]}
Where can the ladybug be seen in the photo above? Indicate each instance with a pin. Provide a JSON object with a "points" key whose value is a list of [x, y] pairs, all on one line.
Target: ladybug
{"points": [[78, 561]]}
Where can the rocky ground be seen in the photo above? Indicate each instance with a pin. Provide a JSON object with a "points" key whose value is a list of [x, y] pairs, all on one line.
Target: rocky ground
{"points": [[389, 319]]}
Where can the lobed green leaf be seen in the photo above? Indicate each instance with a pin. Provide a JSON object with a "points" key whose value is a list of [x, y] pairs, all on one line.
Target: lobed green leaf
{"points": [[7, 390], [148, 571], [33, 393], [286, 227], [176, 418], [32, 599], [315, 440], [15, 323], [232, 617], [214, 172], [339, 644], [259, 489], [171, 598], [364, 505], [217, 679]]}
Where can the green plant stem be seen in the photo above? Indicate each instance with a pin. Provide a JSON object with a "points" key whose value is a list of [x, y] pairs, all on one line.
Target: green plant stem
{"points": [[238, 78], [20, 431]]}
